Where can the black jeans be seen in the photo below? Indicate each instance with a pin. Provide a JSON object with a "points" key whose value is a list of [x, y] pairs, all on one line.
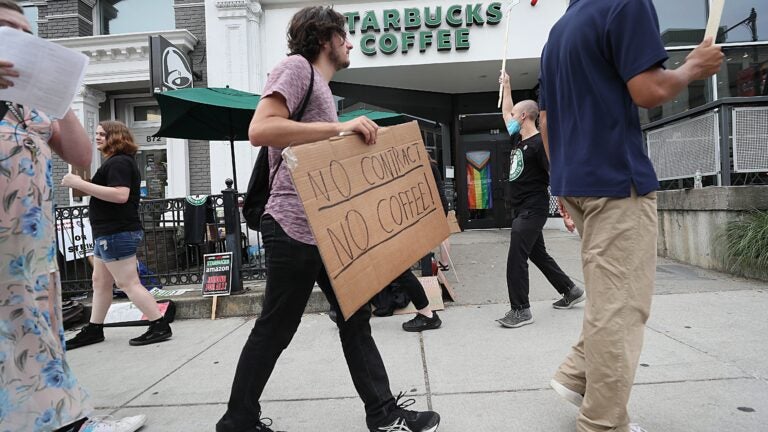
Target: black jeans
{"points": [[527, 242], [292, 270], [413, 288]]}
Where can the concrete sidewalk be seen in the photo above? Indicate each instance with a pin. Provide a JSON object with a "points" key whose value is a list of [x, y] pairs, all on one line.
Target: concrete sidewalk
{"points": [[703, 367]]}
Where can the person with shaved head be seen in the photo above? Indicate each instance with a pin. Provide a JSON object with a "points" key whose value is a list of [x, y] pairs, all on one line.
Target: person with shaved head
{"points": [[529, 199]]}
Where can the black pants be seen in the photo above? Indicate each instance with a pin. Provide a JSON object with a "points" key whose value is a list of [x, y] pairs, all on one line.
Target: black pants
{"points": [[413, 288], [527, 242], [292, 270]]}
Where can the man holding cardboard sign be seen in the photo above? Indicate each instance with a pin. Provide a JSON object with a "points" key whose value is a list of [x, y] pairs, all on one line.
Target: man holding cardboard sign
{"points": [[603, 59], [316, 35]]}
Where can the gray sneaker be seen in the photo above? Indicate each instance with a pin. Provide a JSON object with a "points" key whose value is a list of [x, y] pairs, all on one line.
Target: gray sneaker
{"points": [[574, 296], [516, 318]]}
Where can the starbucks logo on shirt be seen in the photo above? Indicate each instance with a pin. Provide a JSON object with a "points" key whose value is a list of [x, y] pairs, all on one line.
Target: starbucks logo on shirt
{"points": [[516, 165]]}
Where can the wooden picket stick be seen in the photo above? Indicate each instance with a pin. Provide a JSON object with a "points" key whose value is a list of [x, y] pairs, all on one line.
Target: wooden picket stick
{"points": [[506, 43], [213, 307], [715, 15]]}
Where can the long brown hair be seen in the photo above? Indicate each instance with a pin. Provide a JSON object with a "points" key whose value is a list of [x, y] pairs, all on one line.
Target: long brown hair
{"points": [[119, 138]]}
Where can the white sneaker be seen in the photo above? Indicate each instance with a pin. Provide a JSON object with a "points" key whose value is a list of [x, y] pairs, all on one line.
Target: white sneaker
{"points": [[569, 395], [633, 427], [105, 424]]}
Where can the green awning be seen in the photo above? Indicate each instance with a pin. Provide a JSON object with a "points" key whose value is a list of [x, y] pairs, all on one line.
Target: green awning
{"points": [[381, 118]]}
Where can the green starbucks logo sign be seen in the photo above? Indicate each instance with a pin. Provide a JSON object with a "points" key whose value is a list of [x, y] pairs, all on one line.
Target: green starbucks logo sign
{"points": [[516, 165]]}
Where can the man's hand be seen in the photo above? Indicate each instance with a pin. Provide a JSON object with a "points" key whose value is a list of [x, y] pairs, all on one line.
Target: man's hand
{"points": [[569, 225], [504, 78], [705, 60], [362, 125], [71, 180], [7, 71]]}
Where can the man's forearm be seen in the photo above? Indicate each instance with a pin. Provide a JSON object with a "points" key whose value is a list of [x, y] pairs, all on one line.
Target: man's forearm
{"points": [[281, 132], [544, 132], [507, 103]]}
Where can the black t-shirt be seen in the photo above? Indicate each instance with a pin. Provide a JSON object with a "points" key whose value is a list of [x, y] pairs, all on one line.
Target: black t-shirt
{"points": [[529, 175], [108, 217]]}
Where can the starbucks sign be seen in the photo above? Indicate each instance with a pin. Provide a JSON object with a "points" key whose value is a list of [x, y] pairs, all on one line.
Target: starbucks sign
{"points": [[438, 27]]}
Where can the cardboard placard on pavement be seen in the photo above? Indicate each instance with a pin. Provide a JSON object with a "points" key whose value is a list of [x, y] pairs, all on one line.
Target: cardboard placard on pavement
{"points": [[434, 295], [374, 210]]}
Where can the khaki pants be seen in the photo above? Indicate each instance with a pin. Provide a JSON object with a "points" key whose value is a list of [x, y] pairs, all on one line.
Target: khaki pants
{"points": [[619, 259]]}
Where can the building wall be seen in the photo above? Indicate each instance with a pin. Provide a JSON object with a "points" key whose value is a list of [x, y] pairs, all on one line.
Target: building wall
{"points": [[190, 15], [691, 223], [65, 18]]}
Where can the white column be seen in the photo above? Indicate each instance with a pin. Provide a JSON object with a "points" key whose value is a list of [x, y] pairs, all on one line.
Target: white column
{"points": [[233, 34], [178, 167], [86, 107]]}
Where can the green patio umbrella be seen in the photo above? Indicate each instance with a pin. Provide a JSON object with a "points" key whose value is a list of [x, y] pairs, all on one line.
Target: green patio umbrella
{"points": [[213, 114]]}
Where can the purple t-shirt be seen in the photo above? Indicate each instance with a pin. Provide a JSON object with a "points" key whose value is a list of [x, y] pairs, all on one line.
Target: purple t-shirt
{"points": [[290, 78]]}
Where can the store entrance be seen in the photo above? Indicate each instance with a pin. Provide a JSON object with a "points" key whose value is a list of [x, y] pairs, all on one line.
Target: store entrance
{"points": [[482, 173]]}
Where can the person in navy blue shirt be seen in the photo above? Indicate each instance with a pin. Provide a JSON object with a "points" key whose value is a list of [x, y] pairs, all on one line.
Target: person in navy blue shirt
{"points": [[603, 59]]}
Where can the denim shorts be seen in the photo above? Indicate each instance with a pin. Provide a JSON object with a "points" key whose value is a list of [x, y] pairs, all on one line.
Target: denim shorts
{"points": [[118, 246]]}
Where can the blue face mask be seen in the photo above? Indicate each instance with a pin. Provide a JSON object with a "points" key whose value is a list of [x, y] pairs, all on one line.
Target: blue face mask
{"points": [[513, 127]]}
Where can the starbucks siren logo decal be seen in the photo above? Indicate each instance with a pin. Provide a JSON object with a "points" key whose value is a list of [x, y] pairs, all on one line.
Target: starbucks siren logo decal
{"points": [[516, 165]]}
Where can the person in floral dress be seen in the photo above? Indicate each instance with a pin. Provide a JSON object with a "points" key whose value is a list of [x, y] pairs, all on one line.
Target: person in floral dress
{"points": [[38, 390]]}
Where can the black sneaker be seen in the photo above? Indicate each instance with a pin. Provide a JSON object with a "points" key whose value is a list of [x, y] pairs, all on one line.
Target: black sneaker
{"points": [[263, 425], [88, 335], [403, 420], [574, 296], [421, 323], [158, 331]]}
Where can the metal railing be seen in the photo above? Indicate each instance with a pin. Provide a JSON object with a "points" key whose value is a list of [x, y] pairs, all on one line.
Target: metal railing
{"points": [[165, 258], [725, 140]]}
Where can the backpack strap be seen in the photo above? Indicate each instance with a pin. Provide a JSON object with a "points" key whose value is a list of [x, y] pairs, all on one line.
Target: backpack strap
{"points": [[297, 116]]}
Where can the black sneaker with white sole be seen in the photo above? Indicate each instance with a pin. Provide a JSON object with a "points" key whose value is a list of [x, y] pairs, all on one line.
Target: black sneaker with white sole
{"points": [[403, 420], [574, 296]]}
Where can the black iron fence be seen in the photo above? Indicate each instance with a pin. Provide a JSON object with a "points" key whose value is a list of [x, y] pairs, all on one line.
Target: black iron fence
{"points": [[165, 257]]}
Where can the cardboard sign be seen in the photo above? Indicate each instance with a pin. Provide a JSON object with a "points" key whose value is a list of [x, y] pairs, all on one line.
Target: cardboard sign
{"points": [[374, 210], [434, 295], [77, 238], [453, 223], [217, 274]]}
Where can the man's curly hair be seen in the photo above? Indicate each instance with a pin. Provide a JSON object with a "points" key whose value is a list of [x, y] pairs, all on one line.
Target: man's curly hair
{"points": [[311, 27]]}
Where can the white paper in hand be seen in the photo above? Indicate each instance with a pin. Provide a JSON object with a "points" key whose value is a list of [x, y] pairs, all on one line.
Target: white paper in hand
{"points": [[49, 74], [715, 14]]}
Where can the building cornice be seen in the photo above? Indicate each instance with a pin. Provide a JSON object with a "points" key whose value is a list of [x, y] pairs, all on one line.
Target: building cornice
{"points": [[249, 9], [126, 45]]}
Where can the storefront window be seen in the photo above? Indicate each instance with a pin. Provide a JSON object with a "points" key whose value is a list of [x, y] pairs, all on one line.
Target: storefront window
{"points": [[681, 22], [30, 12], [744, 21], [744, 72], [153, 165], [149, 114], [132, 16]]}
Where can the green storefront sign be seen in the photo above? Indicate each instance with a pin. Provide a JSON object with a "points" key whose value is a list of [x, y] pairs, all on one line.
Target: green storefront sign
{"points": [[393, 30]]}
